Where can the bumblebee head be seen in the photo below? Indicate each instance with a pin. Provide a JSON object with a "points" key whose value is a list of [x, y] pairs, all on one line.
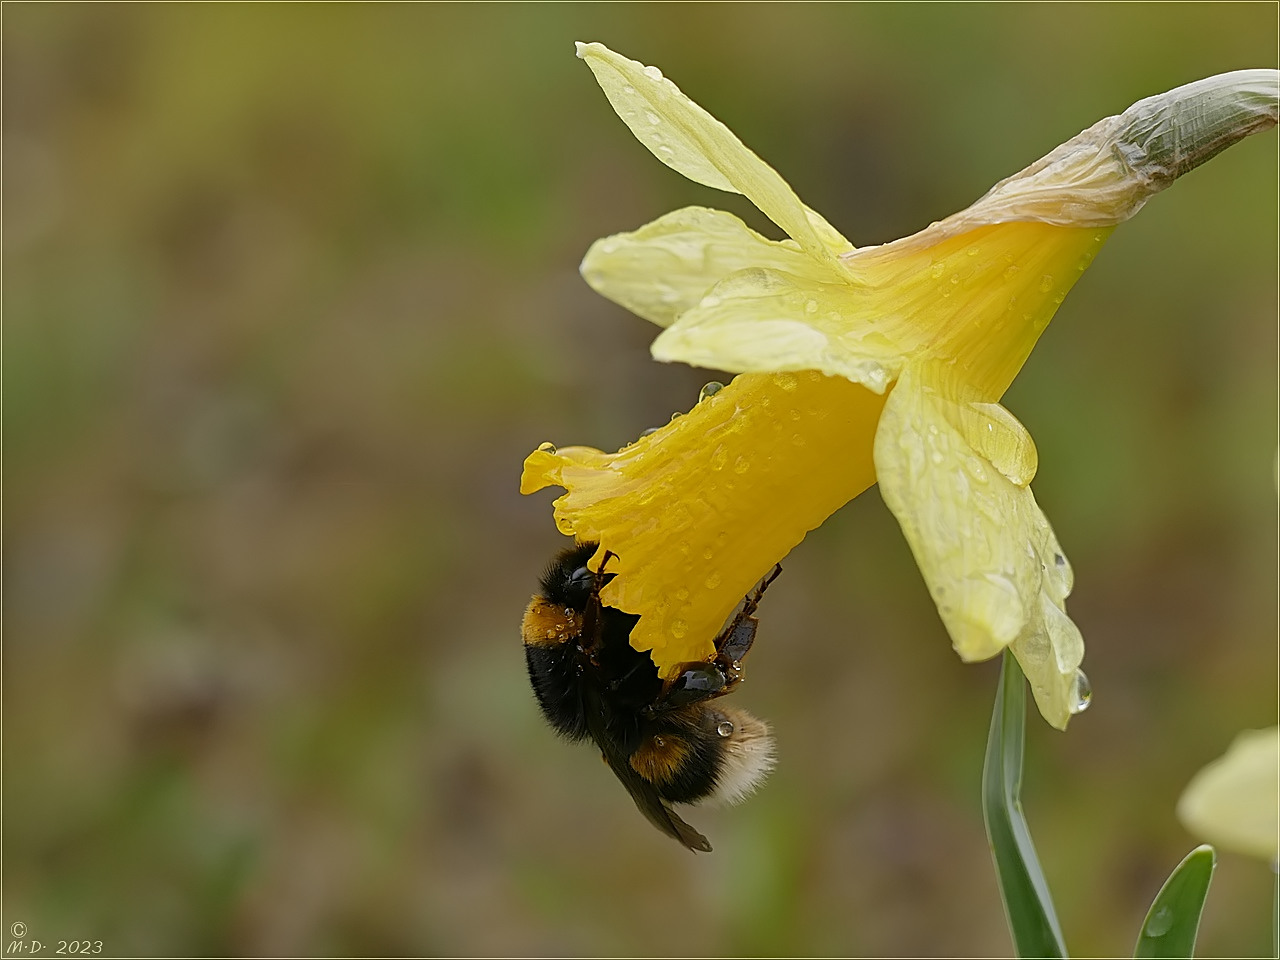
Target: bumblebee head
{"points": [[568, 581]]}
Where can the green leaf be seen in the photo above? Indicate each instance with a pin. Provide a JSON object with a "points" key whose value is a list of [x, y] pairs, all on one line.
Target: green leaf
{"points": [[1174, 918], [1028, 906]]}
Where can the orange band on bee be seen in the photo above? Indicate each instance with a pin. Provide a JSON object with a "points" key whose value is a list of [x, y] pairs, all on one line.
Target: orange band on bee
{"points": [[659, 759], [546, 624]]}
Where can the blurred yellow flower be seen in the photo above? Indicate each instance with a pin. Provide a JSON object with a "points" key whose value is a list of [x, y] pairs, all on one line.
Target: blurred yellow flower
{"points": [[881, 364], [1234, 802]]}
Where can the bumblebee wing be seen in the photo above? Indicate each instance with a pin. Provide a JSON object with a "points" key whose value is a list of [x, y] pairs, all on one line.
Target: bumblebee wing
{"points": [[656, 810]]}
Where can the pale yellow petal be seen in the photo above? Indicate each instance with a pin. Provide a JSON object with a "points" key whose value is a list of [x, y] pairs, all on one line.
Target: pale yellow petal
{"points": [[700, 510], [977, 300], [667, 266], [689, 140], [765, 320], [955, 473], [980, 300], [1234, 802]]}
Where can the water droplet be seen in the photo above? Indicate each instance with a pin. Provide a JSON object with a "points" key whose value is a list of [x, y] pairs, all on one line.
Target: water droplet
{"points": [[547, 447], [788, 381], [972, 251], [565, 526], [1046, 283], [710, 389], [1059, 560], [741, 465], [1009, 274], [653, 73], [997, 435], [712, 581], [676, 416], [1081, 694], [649, 431], [937, 270], [708, 553], [798, 440], [628, 89], [550, 634], [724, 728], [811, 306], [679, 628], [652, 117], [666, 151], [682, 593], [936, 457], [659, 742], [1160, 922], [709, 301], [718, 459]]}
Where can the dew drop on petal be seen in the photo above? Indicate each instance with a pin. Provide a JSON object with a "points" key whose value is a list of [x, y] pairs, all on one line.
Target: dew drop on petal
{"points": [[565, 526], [679, 628], [676, 416], [937, 270], [628, 89], [652, 117], [741, 465], [811, 306], [547, 447], [1081, 693], [710, 389], [653, 73], [1046, 283], [712, 582], [649, 431]]}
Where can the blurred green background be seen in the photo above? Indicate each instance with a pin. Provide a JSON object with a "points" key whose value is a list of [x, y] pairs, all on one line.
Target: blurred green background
{"points": [[290, 292]]}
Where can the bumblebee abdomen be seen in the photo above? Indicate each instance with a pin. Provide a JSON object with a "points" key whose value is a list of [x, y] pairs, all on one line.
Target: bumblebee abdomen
{"points": [[705, 753]]}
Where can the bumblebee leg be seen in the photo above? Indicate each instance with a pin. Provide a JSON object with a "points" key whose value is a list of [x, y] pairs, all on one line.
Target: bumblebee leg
{"points": [[733, 644], [591, 616]]}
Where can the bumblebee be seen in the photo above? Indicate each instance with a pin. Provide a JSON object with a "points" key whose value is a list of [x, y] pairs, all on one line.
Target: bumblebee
{"points": [[668, 741]]}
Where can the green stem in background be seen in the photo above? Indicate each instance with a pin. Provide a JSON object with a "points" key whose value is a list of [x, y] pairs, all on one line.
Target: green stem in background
{"points": [[1275, 913], [1033, 924], [1174, 918]]}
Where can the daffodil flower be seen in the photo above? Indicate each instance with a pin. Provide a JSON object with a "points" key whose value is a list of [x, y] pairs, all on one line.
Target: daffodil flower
{"points": [[1234, 802], [881, 364]]}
